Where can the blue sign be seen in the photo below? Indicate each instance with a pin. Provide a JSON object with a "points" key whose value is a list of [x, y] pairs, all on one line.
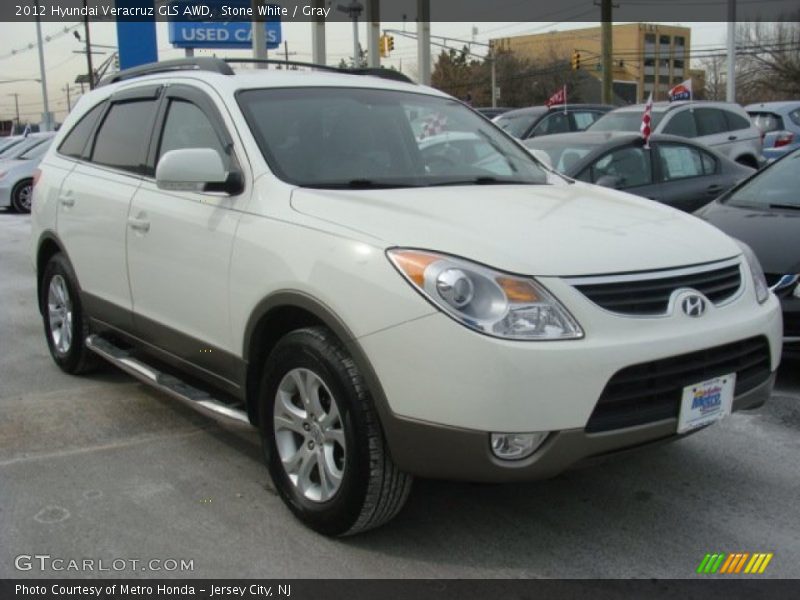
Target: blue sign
{"points": [[136, 39], [219, 34]]}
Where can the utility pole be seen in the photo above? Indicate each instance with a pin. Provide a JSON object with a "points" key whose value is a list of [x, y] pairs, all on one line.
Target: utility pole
{"points": [[424, 41], [730, 84], [89, 66], [69, 100], [259, 36], [16, 108], [493, 62], [47, 123], [608, 76], [353, 11], [318, 35], [373, 33]]}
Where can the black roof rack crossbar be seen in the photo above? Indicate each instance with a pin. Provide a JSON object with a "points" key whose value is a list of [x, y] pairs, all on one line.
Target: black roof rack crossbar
{"points": [[222, 66], [200, 63], [373, 71]]}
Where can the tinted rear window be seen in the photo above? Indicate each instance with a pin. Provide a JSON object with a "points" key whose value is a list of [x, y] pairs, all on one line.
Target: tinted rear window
{"points": [[77, 139], [766, 121]]}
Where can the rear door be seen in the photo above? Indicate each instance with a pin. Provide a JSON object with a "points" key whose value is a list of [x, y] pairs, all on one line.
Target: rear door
{"points": [[95, 198], [179, 242], [688, 177]]}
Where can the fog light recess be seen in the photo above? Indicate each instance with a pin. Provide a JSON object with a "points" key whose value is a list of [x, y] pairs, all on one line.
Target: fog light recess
{"points": [[516, 446]]}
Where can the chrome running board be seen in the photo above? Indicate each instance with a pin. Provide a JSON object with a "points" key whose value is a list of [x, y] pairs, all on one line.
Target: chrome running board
{"points": [[193, 397]]}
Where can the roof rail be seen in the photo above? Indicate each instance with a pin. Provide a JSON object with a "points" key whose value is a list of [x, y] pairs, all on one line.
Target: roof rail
{"points": [[200, 63], [373, 71]]}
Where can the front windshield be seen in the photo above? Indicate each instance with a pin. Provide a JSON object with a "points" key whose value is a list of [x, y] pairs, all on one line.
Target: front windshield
{"points": [[624, 120], [354, 137], [517, 124], [36, 151], [774, 187], [19, 149]]}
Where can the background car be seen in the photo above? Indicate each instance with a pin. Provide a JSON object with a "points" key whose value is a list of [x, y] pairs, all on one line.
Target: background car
{"points": [[524, 123], [31, 141], [16, 177], [764, 213], [674, 170], [9, 142], [780, 124], [490, 112], [724, 126]]}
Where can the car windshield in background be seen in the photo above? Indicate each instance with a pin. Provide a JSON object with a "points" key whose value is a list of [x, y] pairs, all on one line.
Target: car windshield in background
{"points": [[364, 138], [21, 148], [625, 120], [563, 156], [767, 122], [775, 187], [36, 151], [8, 144], [517, 124]]}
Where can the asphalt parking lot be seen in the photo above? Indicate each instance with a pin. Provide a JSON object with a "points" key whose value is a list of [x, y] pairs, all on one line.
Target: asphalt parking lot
{"points": [[102, 467]]}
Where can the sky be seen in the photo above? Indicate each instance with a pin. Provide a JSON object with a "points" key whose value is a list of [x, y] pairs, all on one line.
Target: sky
{"points": [[63, 64]]}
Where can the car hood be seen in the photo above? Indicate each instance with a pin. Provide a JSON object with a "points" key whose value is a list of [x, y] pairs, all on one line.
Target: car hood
{"points": [[557, 230], [774, 235]]}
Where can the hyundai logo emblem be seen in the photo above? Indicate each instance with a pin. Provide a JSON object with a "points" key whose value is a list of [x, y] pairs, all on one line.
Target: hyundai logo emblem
{"points": [[693, 306]]}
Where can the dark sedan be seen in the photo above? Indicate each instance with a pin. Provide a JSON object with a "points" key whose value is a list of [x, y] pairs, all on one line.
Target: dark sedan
{"points": [[764, 213], [535, 121], [673, 170]]}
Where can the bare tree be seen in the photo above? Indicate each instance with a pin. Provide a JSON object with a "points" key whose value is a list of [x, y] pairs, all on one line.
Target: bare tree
{"points": [[768, 65], [715, 78]]}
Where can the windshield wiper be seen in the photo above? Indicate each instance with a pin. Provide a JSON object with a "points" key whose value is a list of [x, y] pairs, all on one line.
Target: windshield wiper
{"points": [[787, 206], [360, 184], [483, 180]]}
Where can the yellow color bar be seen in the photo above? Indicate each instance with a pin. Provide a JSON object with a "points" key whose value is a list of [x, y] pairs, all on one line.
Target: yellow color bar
{"points": [[766, 562]]}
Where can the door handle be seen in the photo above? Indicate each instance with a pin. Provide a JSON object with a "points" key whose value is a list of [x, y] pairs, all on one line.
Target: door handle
{"points": [[713, 190], [140, 225], [732, 138], [67, 200]]}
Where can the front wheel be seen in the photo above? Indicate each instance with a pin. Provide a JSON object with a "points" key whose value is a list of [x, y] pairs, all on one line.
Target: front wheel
{"points": [[322, 440], [65, 324]]}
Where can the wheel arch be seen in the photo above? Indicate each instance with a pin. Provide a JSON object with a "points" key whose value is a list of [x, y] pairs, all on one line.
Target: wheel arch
{"points": [[49, 245], [285, 311]]}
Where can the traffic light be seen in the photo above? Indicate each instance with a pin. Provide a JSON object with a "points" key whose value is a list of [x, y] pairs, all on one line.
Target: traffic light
{"points": [[390, 42], [576, 60], [116, 61], [385, 45]]}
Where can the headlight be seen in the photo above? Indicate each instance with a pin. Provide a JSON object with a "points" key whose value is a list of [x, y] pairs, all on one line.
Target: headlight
{"points": [[488, 301], [759, 281]]}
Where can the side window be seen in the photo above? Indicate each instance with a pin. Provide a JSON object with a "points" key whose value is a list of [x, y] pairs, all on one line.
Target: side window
{"points": [[709, 164], [680, 162], [122, 139], [735, 121], [555, 123], [682, 123], [710, 121], [630, 166], [76, 140], [186, 126], [795, 116], [584, 118]]}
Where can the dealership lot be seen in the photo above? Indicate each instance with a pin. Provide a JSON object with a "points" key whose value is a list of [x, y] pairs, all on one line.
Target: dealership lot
{"points": [[103, 468]]}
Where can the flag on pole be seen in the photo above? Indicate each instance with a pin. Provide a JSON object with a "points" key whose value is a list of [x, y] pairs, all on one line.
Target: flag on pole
{"points": [[645, 127], [560, 97], [682, 91]]}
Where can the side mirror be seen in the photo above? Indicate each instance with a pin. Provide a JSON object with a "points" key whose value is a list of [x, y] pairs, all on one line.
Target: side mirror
{"points": [[195, 170], [540, 155], [610, 181]]}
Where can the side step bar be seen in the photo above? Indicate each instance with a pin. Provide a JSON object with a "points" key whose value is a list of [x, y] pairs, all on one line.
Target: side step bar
{"points": [[196, 398]]}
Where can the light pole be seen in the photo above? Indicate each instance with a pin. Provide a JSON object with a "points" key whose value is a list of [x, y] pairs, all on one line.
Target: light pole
{"points": [[47, 123], [353, 10]]}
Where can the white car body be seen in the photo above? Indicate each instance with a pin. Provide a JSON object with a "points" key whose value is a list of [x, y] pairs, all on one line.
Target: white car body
{"points": [[209, 265]]}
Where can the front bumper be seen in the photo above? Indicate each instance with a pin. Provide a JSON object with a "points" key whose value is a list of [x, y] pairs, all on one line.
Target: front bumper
{"points": [[446, 387], [439, 452]]}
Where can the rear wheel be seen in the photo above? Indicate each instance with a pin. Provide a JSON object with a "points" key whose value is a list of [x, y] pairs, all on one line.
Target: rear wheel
{"points": [[322, 440], [21, 196], [65, 324]]}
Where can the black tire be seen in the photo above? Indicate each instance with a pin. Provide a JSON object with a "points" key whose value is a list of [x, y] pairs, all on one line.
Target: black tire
{"points": [[76, 358], [372, 490], [21, 196]]}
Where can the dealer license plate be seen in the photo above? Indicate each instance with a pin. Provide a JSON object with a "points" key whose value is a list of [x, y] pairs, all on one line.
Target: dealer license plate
{"points": [[706, 402]]}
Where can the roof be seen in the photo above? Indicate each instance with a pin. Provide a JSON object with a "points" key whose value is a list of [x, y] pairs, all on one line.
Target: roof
{"points": [[784, 106], [601, 138], [543, 109], [665, 106]]}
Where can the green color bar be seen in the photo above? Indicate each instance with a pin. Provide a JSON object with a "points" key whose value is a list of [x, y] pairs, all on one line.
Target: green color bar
{"points": [[718, 564], [703, 564]]}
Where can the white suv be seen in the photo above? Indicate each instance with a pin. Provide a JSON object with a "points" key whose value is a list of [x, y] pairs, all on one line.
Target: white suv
{"points": [[285, 249]]}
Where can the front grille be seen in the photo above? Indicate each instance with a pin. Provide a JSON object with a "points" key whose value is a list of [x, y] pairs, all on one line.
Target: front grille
{"points": [[648, 294], [651, 391]]}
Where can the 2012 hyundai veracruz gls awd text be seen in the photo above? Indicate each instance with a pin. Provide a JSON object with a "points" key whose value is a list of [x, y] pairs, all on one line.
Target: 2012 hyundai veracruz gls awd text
{"points": [[383, 283]]}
